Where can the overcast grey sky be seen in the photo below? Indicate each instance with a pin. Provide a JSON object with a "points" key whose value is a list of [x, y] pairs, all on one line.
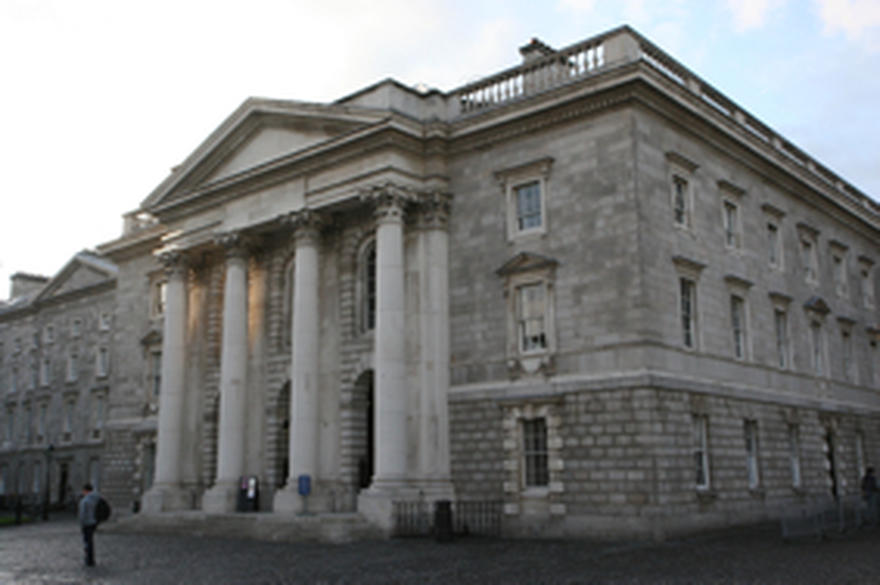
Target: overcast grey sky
{"points": [[101, 98]]}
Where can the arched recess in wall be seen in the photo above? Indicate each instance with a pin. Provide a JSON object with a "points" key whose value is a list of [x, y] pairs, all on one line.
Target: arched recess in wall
{"points": [[365, 287]]}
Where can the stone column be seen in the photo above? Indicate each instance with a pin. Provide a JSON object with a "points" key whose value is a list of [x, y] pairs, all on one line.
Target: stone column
{"points": [[305, 342], [390, 342], [166, 492], [433, 445], [233, 369]]}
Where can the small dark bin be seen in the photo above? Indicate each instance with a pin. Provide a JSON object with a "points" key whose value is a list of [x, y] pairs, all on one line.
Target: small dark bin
{"points": [[443, 521]]}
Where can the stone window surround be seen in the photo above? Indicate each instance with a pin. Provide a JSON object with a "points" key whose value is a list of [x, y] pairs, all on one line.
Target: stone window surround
{"points": [[752, 445], [874, 353], [866, 266], [808, 235], [517, 494], [739, 287], [158, 281], [816, 322], [731, 195], [690, 270], [68, 415], [362, 309], [98, 399], [701, 445], [681, 168], [839, 262], [535, 270], [512, 177], [76, 327], [781, 302], [794, 455], [848, 363], [102, 366], [72, 369], [774, 216]]}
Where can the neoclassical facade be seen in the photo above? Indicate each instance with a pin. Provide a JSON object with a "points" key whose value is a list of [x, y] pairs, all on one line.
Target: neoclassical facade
{"points": [[589, 287]]}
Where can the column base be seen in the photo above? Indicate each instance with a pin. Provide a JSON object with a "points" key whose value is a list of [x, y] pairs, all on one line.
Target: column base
{"points": [[221, 498], [376, 503], [166, 498]]}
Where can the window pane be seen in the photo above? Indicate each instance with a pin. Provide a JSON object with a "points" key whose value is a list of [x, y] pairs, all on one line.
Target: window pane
{"points": [[535, 452], [528, 205]]}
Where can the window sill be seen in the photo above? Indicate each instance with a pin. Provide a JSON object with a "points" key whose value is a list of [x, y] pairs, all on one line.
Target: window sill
{"points": [[535, 493]]}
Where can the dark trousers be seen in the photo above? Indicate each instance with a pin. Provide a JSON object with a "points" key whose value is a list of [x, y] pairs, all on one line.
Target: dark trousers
{"points": [[89, 543]]}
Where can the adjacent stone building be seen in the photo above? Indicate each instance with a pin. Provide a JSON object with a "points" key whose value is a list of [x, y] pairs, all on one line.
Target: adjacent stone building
{"points": [[589, 287], [56, 358]]}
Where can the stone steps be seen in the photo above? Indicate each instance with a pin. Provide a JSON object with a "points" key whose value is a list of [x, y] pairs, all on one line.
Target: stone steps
{"points": [[330, 528]]}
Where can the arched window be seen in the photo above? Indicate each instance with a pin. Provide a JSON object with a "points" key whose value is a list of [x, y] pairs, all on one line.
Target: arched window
{"points": [[367, 287]]}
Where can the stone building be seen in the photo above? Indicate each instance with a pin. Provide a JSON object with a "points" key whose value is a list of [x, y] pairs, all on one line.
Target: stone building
{"points": [[55, 367], [590, 287]]}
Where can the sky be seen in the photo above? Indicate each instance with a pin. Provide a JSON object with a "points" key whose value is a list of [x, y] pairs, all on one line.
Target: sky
{"points": [[100, 98]]}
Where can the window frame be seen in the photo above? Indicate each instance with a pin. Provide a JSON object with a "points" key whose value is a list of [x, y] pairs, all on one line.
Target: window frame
{"points": [[808, 241], [510, 180], [680, 172], [687, 270], [700, 452], [780, 304], [847, 350], [794, 456], [866, 282], [366, 286], [751, 437], [840, 267], [535, 453], [102, 361]]}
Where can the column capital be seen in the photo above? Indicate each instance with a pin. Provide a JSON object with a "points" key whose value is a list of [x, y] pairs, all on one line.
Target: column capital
{"points": [[237, 244], [175, 262], [434, 209], [306, 224], [390, 200]]}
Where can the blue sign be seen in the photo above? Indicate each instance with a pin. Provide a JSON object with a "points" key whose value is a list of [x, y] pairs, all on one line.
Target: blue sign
{"points": [[305, 485]]}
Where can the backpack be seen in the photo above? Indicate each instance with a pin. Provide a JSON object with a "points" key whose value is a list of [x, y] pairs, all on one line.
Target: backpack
{"points": [[102, 510]]}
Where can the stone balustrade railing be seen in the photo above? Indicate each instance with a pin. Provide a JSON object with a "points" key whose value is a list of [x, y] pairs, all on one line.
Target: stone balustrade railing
{"points": [[621, 46]]}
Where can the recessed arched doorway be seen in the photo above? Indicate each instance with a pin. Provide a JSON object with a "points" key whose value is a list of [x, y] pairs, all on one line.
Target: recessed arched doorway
{"points": [[364, 429]]}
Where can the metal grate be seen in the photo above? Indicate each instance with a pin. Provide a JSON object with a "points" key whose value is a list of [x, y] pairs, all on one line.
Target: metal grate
{"points": [[469, 517]]}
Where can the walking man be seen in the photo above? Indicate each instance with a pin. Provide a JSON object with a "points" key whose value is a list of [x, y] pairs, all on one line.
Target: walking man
{"points": [[88, 521]]}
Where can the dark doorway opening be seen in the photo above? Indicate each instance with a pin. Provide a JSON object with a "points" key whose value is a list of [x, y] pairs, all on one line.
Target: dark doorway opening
{"points": [[366, 457], [62, 483]]}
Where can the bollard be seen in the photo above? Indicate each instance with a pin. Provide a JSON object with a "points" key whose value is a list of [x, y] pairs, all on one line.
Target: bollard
{"points": [[443, 521]]}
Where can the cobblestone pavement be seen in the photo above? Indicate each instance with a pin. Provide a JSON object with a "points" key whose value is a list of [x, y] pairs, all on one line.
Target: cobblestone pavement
{"points": [[50, 553]]}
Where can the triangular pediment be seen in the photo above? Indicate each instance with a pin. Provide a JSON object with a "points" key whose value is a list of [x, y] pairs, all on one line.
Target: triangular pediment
{"points": [[525, 262], [257, 133], [83, 271]]}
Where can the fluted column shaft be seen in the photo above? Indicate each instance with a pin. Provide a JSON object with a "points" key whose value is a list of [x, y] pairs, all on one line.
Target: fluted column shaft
{"points": [[304, 403], [171, 391], [233, 365], [390, 356]]}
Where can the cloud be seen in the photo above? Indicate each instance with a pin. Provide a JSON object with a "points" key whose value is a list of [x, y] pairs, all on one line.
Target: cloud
{"points": [[577, 5], [858, 20], [752, 14]]}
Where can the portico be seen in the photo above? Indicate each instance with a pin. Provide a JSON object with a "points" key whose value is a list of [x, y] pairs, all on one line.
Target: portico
{"points": [[407, 351]]}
